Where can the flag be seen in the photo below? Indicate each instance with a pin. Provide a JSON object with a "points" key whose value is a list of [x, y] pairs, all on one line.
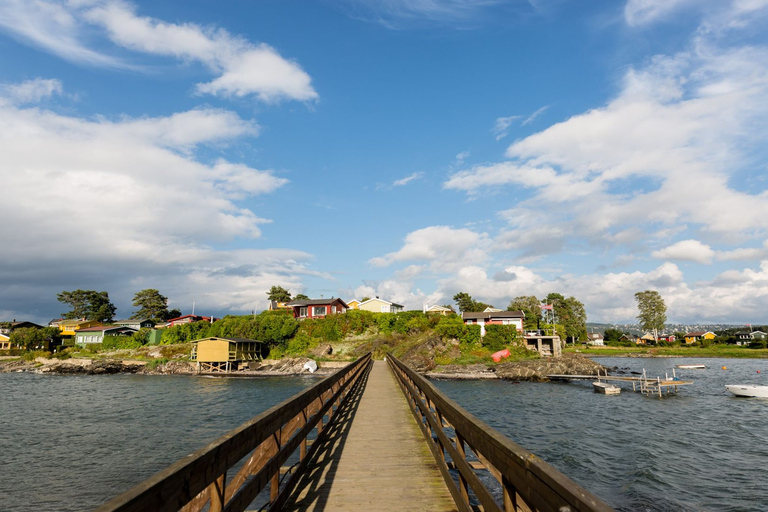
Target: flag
{"points": [[545, 306]]}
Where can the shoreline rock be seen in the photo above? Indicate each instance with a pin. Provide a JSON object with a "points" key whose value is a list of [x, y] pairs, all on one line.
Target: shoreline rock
{"points": [[534, 370]]}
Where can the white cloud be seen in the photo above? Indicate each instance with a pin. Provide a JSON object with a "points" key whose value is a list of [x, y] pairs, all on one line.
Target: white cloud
{"points": [[124, 204], [442, 247], [52, 26], [30, 91], [618, 174], [639, 12], [532, 117], [686, 250], [244, 68], [501, 128], [396, 13], [407, 179]]}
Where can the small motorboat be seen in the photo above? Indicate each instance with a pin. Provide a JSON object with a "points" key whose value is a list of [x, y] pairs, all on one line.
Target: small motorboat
{"points": [[606, 388], [748, 390], [690, 366]]}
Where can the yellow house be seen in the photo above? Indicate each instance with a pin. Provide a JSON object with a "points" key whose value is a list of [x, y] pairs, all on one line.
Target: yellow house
{"points": [[225, 354], [378, 305], [70, 327], [5, 342], [693, 337], [354, 304], [440, 310]]}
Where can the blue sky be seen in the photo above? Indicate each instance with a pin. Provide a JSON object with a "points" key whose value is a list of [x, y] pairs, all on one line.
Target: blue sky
{"points": [[409, 150]]}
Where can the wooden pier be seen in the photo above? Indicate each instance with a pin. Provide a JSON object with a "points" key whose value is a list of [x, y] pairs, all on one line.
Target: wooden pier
{"points": [[354, 441], [646, 385]]}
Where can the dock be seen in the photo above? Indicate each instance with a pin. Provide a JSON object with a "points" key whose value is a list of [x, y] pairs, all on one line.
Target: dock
{"points": [[372, 436], [644, 384], [382, 452]]}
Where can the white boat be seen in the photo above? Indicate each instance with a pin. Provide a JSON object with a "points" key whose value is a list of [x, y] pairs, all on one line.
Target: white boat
{"points": [[690, 366], [605, 388], [748, 390]]}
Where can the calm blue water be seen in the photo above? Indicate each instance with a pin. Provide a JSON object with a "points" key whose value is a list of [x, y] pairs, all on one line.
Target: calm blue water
{"points": [[700, 450], [73, 442]]}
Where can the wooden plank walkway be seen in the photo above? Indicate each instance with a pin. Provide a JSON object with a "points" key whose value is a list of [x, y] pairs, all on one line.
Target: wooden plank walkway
{"points": [[375, 459]]}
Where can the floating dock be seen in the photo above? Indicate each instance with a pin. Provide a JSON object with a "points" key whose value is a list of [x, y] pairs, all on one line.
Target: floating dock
{"points": [[646, 385]]}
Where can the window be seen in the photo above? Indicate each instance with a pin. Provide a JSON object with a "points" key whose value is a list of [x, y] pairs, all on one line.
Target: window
{"points": [[318, 311], [333, 309], [384, 309], [303, 312]]}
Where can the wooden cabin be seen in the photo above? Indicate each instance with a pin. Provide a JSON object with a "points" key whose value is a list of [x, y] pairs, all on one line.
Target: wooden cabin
{"points": [[225, 354]]}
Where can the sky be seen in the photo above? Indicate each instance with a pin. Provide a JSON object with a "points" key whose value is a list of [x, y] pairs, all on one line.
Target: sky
{"points": [[407, 149]]}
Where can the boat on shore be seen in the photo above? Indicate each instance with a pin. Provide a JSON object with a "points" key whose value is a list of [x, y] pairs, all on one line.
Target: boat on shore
{"points": [[691, 366], [606, 388], [748, 390]]}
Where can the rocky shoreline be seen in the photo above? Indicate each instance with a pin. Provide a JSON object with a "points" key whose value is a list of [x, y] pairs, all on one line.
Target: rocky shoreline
{"points": [[284, 367], [535, 370], [527, 370]]}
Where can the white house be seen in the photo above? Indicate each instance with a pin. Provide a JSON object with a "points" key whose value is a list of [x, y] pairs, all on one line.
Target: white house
{"points": [[494, 318], [378, 305]]}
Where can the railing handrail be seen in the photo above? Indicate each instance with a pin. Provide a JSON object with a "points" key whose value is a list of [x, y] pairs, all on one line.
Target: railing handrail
{"points": [[521, 474], [177, 485]]}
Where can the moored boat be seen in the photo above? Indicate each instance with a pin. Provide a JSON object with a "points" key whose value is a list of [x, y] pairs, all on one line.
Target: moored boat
{"points": [[690, 366], [606, 388], [748, 390]]}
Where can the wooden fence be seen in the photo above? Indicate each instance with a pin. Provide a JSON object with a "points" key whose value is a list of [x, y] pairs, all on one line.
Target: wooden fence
{"points": [[265, 443], [462, 445]]}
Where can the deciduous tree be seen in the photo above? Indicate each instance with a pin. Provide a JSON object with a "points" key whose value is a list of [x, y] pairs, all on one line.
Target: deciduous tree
{"points": [[529, 305], [653, 311]]}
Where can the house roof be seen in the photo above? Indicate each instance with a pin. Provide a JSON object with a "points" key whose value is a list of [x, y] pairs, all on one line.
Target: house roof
{"points": [[494, 314], [382, 300], [698, 333], [594, 336], [21, 324], [74, 322], [315, 302], [234, 340], [201, 318], [438, 308], [105, 328]]}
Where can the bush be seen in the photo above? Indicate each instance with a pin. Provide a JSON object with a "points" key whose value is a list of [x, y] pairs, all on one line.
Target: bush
{"points": [[120, 342], [449, 327], [759, 344], [299, 344], [470, 335], [31, 355], [154, 363], [499, 336]]}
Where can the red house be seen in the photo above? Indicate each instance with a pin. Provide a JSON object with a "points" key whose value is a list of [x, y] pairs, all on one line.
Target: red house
{"points": [[188, 319], [317, 308]]}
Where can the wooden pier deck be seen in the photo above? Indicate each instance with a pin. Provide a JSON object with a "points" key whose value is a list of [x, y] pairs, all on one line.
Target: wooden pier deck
{"points": [[375, 460]]}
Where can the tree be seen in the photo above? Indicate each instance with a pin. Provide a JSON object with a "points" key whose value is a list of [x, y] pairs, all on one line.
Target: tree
{"points": [[152, 304], [174, 313], [467, 304], [88, 304], [530, 306], [653, 311], [278, 294], [612, 334], [301, 296], [571, 314]]}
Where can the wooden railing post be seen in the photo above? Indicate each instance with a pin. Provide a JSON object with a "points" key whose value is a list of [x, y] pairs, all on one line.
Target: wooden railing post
{"points": [[462, 481], [218, 491]]}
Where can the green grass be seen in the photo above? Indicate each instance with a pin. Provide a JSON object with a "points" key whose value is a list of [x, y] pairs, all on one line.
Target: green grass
{"points": [[725, 351]]}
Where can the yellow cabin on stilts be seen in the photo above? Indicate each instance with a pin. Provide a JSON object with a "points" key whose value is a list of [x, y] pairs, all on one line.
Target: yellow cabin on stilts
{"points": [[225, 354]]}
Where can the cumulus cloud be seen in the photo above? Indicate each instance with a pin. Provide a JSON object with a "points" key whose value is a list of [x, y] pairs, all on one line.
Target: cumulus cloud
{"points": [[115, 204], [686, 250], [244, 68], [626, 169]]}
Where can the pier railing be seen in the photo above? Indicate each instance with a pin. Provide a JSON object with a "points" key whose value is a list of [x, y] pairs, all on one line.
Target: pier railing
{"points": [[201, 481], [462, 445]]}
